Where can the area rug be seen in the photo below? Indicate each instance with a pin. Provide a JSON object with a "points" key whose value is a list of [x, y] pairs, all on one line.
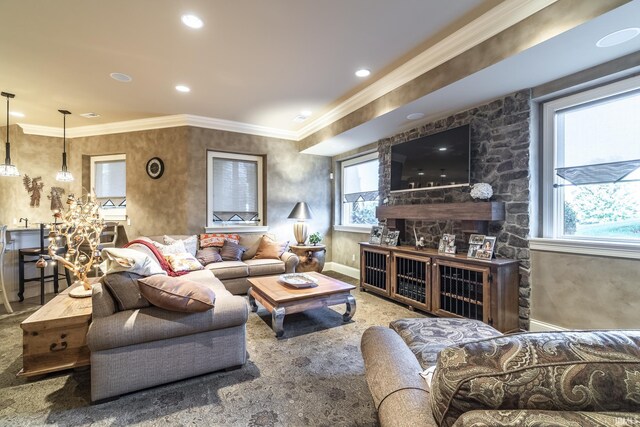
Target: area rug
{"points": [[314, 376]]}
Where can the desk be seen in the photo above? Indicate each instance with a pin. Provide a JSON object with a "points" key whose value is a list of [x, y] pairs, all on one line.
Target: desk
{"points": [[55, 336], [311, 257]]}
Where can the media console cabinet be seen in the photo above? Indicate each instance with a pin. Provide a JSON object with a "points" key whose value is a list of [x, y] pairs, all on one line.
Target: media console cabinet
{"points": [[444, 285]]}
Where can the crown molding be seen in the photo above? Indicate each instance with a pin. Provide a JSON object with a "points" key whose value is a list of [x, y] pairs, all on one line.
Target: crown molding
{"points": [[494, 21], [482, 28], [159, 123]]}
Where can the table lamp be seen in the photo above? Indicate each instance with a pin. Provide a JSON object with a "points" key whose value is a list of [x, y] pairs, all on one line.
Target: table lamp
{"points": [[300, 212]]}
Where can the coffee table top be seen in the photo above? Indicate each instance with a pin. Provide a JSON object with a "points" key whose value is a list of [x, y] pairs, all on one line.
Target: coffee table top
{"points": [[279, 293]]}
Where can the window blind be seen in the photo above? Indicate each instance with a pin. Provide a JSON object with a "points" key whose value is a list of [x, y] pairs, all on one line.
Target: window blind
{"points": [[111, 179], [235, 189]]}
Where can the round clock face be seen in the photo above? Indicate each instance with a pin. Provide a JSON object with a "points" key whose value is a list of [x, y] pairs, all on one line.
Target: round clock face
{"points": [[155, 167]]}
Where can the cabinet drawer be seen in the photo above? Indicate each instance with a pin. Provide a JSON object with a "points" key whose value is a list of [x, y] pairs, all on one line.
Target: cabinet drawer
{"points": [[55, 349]]}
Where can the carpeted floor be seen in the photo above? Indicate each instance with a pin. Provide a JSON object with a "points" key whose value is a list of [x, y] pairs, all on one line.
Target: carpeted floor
{"points": [[314, 376]]}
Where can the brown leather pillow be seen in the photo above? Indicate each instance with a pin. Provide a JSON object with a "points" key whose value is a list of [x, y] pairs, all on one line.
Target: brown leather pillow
{"points": [[270, 249], [231, 251], [177, 293]]}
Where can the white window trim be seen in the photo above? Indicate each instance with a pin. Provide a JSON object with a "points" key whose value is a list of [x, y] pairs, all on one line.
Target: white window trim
{"points": [[224, 155], [552, 223], [365, 229], [354, 161], [114, 214]]}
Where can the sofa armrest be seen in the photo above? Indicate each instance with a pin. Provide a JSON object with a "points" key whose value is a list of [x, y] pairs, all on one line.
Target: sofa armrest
{"points": [[291, 261], [530, 417], [149, 324], [392, 371]]}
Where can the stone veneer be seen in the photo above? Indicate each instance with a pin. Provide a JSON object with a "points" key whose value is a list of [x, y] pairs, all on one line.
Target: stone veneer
{"points": [[500, 140]]}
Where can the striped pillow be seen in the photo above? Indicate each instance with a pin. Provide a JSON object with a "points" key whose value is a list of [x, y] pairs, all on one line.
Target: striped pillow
{"points": [[217, 239]]}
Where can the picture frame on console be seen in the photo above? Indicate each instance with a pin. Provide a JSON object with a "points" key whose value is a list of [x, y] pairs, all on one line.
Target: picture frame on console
{"points": [[487, 248], [377, 234], [391, 238]]}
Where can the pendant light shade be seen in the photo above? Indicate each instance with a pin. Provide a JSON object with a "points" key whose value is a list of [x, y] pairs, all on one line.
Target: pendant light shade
{"points": [[8, 169], [64, 175]]}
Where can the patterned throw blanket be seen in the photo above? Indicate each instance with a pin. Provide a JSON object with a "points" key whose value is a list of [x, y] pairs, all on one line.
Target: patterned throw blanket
{"points": [[161, 259]]}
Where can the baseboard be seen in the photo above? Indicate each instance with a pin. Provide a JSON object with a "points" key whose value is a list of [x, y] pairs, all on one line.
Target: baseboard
{"points": [[538, 326], [343, 269]]}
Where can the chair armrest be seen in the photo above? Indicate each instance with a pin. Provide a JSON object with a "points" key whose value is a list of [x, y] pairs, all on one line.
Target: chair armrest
{"points": [[392, 371], [291, 261]]}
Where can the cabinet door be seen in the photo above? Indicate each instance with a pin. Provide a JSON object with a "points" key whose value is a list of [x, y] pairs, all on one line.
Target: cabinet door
{"points": [[374, 267], [410, 280], [461, 290]]}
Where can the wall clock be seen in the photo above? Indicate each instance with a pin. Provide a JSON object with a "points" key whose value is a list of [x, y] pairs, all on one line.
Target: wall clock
{"points": [[155, 167]]}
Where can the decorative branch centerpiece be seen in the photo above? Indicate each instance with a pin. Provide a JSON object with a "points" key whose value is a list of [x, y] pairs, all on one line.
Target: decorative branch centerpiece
{"points": [[80, 231]]}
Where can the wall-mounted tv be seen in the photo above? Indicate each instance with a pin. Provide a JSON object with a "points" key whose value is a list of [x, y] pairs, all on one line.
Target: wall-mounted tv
{"points": [[434, 161]]}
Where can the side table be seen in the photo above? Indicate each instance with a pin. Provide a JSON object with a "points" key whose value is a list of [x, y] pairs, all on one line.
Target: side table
{"points": [[311, 257], [55, 336]]}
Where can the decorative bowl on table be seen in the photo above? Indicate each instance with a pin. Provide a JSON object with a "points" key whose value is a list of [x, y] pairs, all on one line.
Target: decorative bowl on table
{"points": [[298, 280]]}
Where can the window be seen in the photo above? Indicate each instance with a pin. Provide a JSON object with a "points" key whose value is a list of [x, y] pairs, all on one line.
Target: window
{"points": [[360, 190], [591, 172], [234, 189], [109, 181]]}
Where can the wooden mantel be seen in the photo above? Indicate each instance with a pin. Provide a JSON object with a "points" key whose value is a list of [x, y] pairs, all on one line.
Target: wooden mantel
{"points": [[469, 211], [475, 216]]}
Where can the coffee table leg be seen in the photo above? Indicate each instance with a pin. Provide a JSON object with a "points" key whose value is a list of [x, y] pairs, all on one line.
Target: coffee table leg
{"points": [[252, 301], [277, 319], [351, 308]]}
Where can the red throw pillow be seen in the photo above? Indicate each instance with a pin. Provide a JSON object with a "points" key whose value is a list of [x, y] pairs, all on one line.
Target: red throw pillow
{"points": [[217, 239]]}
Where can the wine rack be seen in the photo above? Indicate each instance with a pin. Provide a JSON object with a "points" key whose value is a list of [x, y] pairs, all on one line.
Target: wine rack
{"points": [[411, 280], [374, 266], [461, 290]]}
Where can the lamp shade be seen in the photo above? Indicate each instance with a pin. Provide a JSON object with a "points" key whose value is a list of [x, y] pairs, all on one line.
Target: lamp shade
{"points": [[301, 211]]}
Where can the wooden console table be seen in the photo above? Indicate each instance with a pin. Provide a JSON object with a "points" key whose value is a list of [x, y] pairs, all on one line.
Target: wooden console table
{"points": [[55, 336]]}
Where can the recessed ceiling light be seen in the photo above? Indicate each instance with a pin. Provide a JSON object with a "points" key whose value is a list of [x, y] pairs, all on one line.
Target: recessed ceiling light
{"points": [[90, 115], [192, 21], [618, 37], [415, 116], [306, 113], [17, 114], [363, 72], [121, 77], [442, 149], [183, 88]]}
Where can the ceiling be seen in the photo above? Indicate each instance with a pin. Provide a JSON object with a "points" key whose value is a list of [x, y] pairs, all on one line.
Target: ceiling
{"points": [[254, 61]]}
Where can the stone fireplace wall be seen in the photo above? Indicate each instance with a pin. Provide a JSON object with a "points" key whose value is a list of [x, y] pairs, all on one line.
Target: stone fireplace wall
{"points": [[500, 142]]}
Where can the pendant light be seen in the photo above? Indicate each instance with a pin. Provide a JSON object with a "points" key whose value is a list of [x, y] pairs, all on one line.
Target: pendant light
{"points": [[64, 175], [7, 169]]}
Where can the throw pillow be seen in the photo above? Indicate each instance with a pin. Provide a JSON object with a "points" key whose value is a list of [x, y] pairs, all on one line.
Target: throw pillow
{"points": [[231, 251], [270, 249], [177, 247], [131, 260], [252, 244], [217, 239], [183, 262], [124, 288], [190, 243], [208, 255], [177, 294]]}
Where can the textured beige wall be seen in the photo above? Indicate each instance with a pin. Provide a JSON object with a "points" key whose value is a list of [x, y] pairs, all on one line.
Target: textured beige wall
{"points": [[345, 245], [34, 156], [176, 203], [583, 292]]}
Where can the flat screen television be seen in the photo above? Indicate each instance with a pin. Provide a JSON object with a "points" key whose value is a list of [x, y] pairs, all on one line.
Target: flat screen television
{"points": [[434, 161]]}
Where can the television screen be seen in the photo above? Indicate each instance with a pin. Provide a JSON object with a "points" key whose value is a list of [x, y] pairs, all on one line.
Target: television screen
{"points": [[433, 161]]}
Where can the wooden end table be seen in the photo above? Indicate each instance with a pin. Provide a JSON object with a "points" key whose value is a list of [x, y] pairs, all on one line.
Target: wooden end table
{"points": [[55, 337], [281, 299], [311, 257]]}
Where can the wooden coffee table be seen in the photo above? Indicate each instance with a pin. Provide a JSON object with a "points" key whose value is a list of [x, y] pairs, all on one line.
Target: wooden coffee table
{"points": [[281, 299]]}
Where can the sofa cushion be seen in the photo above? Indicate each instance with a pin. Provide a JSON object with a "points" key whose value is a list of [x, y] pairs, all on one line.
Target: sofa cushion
{"points": [[426, 337], [228, 269], [563, 371], [177, 294], [125, 290], [153, 323], [270, 249], [264, 267], [217, 239], [206, 277], [176, 247], [537, 418], [183, 262], [190, 243], [251, 241], [208, 255], [231, 251], [102, 302], [131, 260]]}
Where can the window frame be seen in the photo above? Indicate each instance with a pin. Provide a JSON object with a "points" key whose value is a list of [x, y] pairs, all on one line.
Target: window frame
{"points": [[113, 214], [552, 201], [211, 226], [351, 162]]}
